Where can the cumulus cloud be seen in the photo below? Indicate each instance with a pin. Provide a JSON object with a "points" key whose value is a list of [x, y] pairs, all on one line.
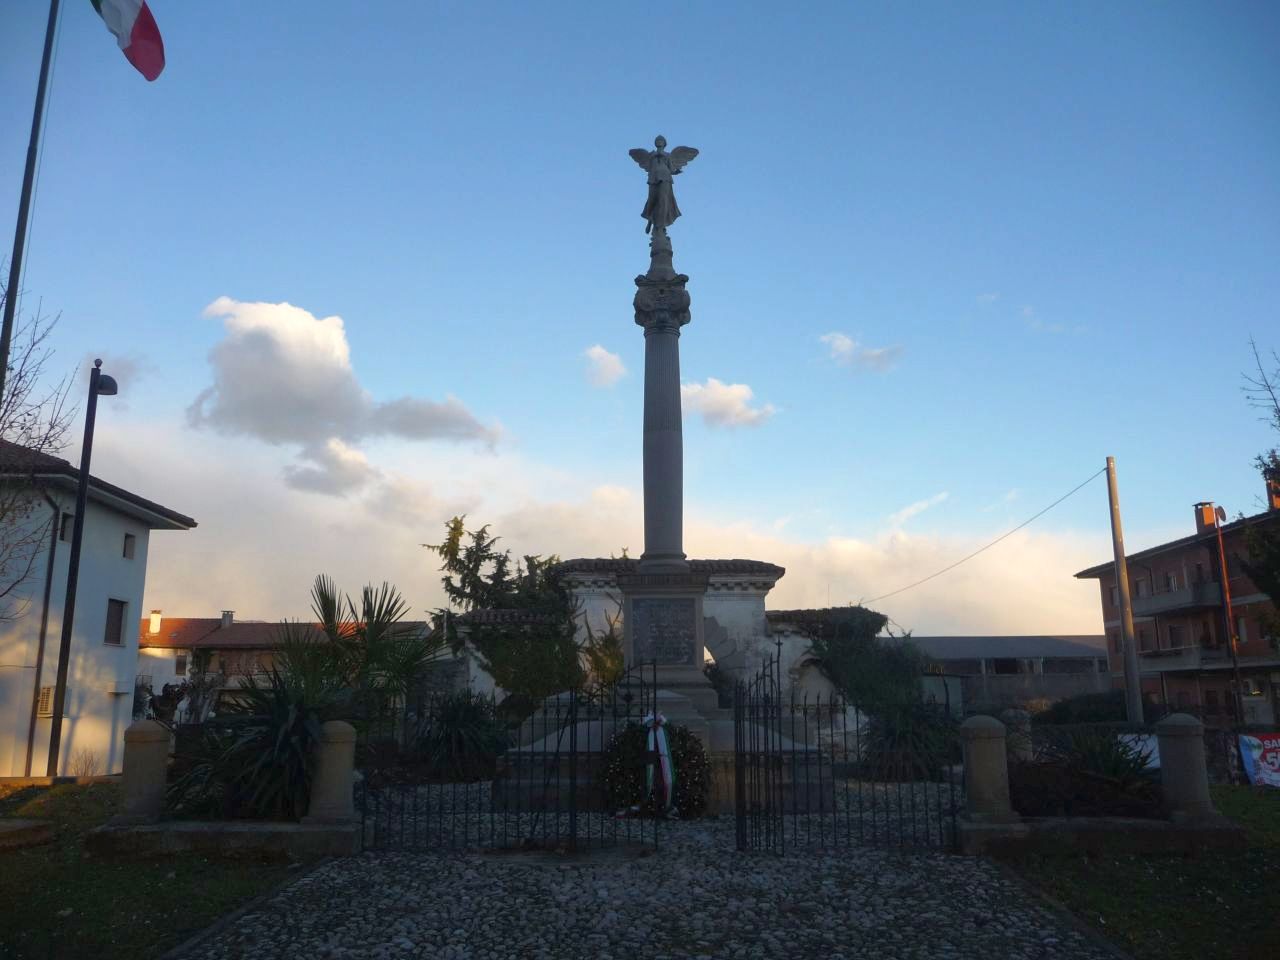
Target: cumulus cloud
{"points": [[257, 548], [724, 404], [847, 352], [899, 517], [284, 376], [604, 369], [335, 468]]}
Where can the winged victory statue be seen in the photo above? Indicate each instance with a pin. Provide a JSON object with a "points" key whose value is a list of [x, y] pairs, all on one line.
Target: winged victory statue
{"points": [[660, 210]]}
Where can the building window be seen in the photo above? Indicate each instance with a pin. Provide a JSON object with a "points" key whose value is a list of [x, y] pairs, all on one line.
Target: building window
{"points": [[1115, 640], [1177, 636], [1199, 572], [1144, 639], [1211, 706], [115, 623], [180, 664], [1184, 699], [1142, 587], [130, 544], [66, 527], [1242, 630], [1115, 596], [1170, 582]]}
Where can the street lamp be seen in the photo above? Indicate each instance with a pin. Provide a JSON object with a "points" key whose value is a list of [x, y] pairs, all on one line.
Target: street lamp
{"points": [[100, 385]]}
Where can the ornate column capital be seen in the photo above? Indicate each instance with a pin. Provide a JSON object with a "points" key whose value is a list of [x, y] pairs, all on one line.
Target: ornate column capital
{"points": [[662, 305]]}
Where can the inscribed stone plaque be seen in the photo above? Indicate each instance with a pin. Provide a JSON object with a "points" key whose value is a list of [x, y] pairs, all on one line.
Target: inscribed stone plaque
{"points": [[663, 630]]}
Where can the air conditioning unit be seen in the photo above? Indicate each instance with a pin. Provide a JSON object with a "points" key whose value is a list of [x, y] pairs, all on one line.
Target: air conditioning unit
{"points": [[44, 706]]}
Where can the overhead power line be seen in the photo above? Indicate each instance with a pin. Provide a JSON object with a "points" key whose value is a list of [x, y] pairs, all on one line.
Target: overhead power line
{"points": [[1003, 536]]}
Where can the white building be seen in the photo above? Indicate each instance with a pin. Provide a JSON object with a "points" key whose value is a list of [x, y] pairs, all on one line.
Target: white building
{"points": [[104, 644]]}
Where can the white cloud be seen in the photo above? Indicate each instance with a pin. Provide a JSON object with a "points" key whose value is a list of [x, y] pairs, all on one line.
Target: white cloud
{"points": [[284, 376], [847, 352], [724, 404], [257, 547], [336, 469], [899, 517], [604, 369]]}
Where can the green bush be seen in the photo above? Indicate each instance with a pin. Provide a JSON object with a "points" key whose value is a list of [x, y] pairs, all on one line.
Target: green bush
{"points": [[1108, 707], [909, 741], [1087, 772], [625, 762], [256, 760], [461, 738]]}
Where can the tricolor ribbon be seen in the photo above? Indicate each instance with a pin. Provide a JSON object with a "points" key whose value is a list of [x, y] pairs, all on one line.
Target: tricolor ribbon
{"points": [[664, 770]]}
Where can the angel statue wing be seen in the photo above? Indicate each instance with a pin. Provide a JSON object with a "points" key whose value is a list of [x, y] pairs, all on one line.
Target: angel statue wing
{"points": [[642, 156], [679, 157]]}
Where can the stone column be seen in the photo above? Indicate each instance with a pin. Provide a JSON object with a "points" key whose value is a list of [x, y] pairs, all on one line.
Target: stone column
{"points": [[1018, 734], [1182, 768], [332, 786], [986, 771], [662, 308], [146, 759]]}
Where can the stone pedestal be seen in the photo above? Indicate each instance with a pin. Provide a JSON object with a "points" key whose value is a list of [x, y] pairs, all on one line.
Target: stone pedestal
{"points": [[1183, 773]]}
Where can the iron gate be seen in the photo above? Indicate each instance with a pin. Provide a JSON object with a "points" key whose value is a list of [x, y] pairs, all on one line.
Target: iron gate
{"points": [[819, 772], [429, 779]]}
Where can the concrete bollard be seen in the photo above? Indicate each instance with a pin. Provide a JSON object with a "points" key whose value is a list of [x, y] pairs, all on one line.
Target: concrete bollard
{"points": [[986, 771], [1182, 768], [332, 787], [1018, 738], [146, 757]]}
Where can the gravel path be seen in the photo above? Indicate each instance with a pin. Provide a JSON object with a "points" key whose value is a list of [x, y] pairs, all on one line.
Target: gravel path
{"points": [[694, 898]]}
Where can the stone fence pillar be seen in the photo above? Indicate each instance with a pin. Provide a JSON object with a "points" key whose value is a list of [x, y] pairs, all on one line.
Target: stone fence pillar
{"points": [[146, 757], [986, 771], [1018, 739], [1182, 768], [332, 787]]}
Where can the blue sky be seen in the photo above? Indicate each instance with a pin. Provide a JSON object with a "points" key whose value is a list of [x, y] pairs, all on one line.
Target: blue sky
{"points": [[1062, 222]]}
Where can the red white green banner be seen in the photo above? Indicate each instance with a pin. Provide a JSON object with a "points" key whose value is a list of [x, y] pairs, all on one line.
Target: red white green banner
{"points": [[1261, 755], [136, 32]]}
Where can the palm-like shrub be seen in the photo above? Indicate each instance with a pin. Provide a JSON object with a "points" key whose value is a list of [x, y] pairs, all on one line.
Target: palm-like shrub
{"points": [[257, 758], [461, 738], [909, 740]]}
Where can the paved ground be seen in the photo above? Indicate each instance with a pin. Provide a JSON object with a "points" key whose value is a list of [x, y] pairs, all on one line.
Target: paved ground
{"points": [[694, 898]]}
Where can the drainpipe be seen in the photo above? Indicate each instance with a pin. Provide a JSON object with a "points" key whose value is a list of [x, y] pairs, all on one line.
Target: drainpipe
{"points": [[44, 628]]}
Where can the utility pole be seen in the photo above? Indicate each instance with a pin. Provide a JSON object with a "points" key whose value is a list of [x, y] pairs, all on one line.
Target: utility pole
{"points": [[1218, 516], [1129, 649]]}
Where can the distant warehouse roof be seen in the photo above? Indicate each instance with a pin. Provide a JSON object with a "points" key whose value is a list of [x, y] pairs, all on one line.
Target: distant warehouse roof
{"points": [[999, 648]]}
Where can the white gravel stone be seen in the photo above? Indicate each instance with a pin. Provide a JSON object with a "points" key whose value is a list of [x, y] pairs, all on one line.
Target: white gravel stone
{"points": [[694, 897]]}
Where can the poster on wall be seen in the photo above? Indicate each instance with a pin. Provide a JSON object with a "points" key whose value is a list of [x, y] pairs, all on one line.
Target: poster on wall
{"points": [[1261, 755]]}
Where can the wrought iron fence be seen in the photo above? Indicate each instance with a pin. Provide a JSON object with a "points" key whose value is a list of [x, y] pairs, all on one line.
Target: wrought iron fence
{"points": [[458, 771], [821, 772]]}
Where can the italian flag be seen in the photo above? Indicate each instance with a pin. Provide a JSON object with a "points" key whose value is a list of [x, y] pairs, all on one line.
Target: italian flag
{"points": [[136, 32]]}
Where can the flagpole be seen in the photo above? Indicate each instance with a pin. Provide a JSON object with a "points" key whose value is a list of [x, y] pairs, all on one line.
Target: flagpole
{"points": [[24, 204]]}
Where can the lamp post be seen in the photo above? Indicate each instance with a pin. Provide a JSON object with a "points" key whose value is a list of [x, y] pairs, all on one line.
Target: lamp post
{"points": [[99, 385]]}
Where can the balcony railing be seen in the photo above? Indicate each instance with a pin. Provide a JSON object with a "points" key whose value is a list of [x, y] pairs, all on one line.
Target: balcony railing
{"points": [[1194, 597]]}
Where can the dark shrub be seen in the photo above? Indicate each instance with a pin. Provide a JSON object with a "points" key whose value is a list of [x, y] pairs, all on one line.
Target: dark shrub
{"points": [[257, 758], [461, 738], [909, 741], [1085, 773]]}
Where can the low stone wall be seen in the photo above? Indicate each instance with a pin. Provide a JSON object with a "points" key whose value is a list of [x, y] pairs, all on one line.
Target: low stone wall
{"points": [[991, 825]]}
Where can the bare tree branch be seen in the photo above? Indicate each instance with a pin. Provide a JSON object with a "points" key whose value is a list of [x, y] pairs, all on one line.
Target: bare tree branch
{"points": [[35, 417]]}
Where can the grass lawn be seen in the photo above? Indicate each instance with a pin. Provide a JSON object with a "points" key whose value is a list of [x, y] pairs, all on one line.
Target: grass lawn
{"points": [[1219, 905], [58, 901]]}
